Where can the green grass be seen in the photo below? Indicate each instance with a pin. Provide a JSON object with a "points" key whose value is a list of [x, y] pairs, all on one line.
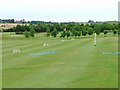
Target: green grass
{"points": [[78, 64]]}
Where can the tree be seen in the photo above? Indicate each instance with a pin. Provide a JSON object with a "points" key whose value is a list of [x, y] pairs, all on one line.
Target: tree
{"points": [[62, 26], [84, 33], [118, 31], [67, 33], [118, 28], [76, 33], [107, 26], [79, 33], [26, 34], [19, 29], [114, 32], [90, 31], [11, 29], [63, 34], [97, 29], [72, 32], [48, 32], [54, 32], [32, 31], [105, 32], [27, 28]]}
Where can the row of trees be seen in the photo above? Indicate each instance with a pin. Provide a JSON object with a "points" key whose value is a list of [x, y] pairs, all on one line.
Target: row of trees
{"points": [[7, 20], [66, 29], [75, 29]]}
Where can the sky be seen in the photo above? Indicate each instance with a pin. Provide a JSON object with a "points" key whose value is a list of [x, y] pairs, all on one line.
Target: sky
{"points": [[59, 10]]}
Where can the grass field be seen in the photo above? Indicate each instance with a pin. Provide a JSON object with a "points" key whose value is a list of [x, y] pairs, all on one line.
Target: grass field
{"points": [[77, 63]]}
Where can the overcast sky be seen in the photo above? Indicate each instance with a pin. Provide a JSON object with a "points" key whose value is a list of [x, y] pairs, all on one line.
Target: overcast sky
{"points": [[60, 10]]}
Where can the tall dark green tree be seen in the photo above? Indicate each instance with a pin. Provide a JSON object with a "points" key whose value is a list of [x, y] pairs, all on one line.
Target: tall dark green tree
{"points": [[54, 32], [32, 31]]}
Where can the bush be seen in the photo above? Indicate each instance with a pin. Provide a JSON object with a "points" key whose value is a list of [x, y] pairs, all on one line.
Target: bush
{"points": [[105, 32], [26, 34], [114, 32]]}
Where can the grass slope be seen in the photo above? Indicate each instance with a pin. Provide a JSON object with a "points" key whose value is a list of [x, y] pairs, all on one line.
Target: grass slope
{"points": [[78, 64]]}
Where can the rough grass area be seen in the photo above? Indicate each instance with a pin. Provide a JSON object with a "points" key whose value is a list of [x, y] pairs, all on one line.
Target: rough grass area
{"points": [[78, 63]]}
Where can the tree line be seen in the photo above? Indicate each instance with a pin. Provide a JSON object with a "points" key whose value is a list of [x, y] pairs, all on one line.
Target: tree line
{"points": [[7, 20], [66, 29]]}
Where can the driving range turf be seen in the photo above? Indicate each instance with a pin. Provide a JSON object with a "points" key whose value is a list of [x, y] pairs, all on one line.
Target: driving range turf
{"points": [[76, 63]]}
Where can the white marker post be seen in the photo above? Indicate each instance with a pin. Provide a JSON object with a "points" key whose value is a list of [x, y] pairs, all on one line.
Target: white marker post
{"points": [[95, 40]]}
